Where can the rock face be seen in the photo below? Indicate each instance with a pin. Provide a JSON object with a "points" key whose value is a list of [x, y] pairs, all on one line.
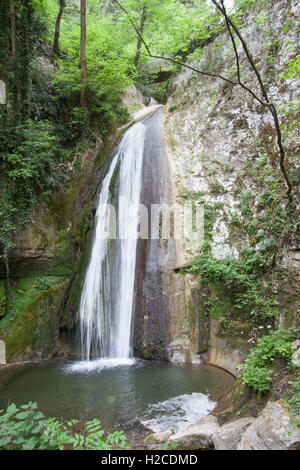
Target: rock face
{"points": [[2, 92], [215, 136], [159, 437], [272, 430], [39, 311], [2, 353], [220, 352], [296, 353], [229, 435], [196, 436]]}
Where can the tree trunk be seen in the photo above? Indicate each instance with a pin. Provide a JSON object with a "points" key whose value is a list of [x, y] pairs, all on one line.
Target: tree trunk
{"points": [[83, 53], [24, 57], [5, 57], [13, 39], [62, 5], [139, 43], [13, 28]]}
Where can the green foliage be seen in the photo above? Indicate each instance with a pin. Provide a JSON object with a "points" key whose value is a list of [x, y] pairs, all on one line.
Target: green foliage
{"points": [[26, 428], [240, 288], [29, 167], [292, 68], [257, 367], [237, 289], [290, 113], [43, 122], [96, 440], [172, 27], [33, 161], [172, 108], [109, 70], [261, 18], [293, 403], [167, 446]]}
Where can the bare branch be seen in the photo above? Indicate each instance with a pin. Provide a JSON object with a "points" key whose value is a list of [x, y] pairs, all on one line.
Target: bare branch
{"points": [[233, 43], [229, 22], [149, 54], [135, 28], [182, 64], [238, 59], [231, 26]]}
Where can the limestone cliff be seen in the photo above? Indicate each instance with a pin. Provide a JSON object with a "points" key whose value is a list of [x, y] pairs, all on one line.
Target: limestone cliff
{"points": [[40, 288], [222, 151]]}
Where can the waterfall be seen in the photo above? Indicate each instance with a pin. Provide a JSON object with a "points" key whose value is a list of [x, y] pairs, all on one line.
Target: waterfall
{"points": [[106, 306]]}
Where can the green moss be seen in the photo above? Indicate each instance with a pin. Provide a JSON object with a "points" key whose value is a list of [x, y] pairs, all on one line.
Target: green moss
{"points": [[63, 261], [35, 328], [22, 293], [59, 207], [34, 307], [43, 237], [114, 178], [149, 350]]}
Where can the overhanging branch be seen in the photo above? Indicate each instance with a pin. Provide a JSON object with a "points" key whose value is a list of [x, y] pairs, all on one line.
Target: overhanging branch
{"points": [[231, 27], [272, 108]]}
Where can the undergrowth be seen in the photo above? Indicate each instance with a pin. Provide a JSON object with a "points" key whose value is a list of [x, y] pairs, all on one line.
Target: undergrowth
{"points": [[257, 368], [26, 428]]}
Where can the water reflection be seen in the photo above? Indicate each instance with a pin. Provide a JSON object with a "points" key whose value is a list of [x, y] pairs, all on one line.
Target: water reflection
{"points": [[113, 394]]}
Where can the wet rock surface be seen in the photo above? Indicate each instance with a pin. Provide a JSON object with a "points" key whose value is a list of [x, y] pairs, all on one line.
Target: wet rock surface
{"points": [[229, 435], [296, 352], [214, 134], [274, 429], [159, 437], [196, 436]]}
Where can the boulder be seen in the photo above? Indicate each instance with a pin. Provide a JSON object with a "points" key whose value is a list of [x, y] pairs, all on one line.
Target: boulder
{"points": [[2, 92], [159, 437], [229, 436], [296, 353], [274, 429], [197, 435], [2, 353]]}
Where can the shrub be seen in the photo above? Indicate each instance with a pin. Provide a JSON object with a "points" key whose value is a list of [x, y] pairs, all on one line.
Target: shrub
{"points": [[236, 285], [26, 428], [257, 367]]}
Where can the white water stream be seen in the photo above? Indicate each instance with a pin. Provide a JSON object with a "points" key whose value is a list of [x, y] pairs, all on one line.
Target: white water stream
{"points": [[106, 306]]}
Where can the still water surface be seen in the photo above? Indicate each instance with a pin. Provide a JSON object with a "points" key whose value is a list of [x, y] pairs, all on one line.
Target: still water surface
{"points": [[114, 392]]}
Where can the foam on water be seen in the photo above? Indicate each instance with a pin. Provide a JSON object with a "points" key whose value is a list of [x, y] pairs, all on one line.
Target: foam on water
{"points": [[177, 412], [97, 365]]}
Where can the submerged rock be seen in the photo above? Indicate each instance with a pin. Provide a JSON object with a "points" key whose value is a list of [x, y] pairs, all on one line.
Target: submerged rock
{"points": [[178, 412], [274, 429], [198, 435], [159, 437], [229, 436]]}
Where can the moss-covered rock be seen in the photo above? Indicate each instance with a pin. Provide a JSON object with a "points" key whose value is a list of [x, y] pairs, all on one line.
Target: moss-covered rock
{"points": [[31, 331]]}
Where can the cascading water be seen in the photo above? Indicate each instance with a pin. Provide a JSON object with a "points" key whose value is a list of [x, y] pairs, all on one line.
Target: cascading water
{"points": [[106, 306], [125, 275]]}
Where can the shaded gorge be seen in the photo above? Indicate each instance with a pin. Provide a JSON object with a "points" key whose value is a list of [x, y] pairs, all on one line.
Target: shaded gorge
{"points": [[125, 310]]}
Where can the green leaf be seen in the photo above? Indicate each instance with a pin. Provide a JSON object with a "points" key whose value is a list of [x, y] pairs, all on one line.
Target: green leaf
{"points": [[4, 441]]}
